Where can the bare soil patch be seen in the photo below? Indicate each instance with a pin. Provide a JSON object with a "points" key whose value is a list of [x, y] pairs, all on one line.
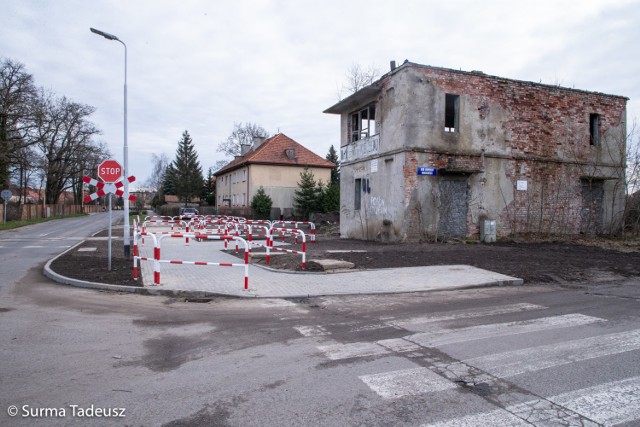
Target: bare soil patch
{"points": [[534, 260], [92, 266]]}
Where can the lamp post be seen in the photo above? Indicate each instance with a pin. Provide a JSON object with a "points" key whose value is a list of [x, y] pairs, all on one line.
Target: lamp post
{"points": [[125, 167]]}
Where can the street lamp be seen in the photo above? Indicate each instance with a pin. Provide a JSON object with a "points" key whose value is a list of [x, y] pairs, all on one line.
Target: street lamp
{"points": [[125, 170]]}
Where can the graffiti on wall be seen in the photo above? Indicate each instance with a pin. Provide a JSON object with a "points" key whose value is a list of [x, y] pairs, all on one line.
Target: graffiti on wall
{"points": [[377, 206]]}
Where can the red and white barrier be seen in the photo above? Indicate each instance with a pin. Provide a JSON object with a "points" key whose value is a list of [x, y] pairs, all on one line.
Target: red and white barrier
{"points": [[285, 232], [297, 224], [157, 260]]}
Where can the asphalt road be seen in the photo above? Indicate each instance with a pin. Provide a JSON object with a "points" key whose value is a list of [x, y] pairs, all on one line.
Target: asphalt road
{"points": [[23, 248], [532, 355]]}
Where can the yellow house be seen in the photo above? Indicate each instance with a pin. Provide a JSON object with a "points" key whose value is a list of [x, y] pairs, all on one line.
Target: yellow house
{"points": [[274, 164]]}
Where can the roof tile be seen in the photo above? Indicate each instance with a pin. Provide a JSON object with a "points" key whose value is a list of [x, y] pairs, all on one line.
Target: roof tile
{"points": [[275, 151]]}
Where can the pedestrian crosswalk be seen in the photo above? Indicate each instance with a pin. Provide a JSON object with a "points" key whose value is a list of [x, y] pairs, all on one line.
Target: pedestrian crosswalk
{"points": [[493, 375]]}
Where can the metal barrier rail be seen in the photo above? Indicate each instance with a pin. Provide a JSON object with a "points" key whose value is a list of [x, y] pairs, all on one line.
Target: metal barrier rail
{"points": [[297, 224], [291, 231], [172, 222], [157, 242]]}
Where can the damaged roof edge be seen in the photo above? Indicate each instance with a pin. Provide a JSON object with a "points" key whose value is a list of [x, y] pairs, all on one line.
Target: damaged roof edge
{"points": [[355, 100], [358, 98]]}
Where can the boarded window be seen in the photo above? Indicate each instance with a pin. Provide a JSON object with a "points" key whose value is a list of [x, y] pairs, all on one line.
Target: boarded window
{"points": [[592, 211], [451, 112], [357, 197], [594, 129]]}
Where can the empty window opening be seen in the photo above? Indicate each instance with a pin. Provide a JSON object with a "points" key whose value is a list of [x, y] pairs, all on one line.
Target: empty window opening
{"points": [[594, 129], [451, 112], [363, 123], [358, 194]]}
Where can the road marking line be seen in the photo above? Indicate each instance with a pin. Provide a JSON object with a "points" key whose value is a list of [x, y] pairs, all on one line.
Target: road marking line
{"points": [[33, 247], [350, 350], [468, 314], [522, 361], [448, 336], [407, 382]]}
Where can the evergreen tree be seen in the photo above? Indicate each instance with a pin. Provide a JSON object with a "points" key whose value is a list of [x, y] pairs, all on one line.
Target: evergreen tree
{"points": [[209, 188], [186, 172], [332, 156], [330, 201], [306, 198], [168, 180], [261, 204]]}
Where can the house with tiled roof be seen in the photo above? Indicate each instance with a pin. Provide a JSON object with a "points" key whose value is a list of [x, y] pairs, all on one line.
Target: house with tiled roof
{"points": [[274, 164]]}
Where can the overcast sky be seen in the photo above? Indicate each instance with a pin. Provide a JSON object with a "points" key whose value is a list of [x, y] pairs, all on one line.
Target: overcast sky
{"points": [[204, 65]]}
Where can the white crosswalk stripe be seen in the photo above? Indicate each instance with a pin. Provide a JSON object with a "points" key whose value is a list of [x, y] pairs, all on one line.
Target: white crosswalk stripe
{"points": [[607, 404], [407, 382], [467, 314], [495, 418], [611, 403], [447, 336], [357, 349], [547, 356], [440, 337], [312, 331]]}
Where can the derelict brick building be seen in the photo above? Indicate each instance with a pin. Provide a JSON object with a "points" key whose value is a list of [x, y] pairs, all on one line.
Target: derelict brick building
{"points": [[432, 152]]}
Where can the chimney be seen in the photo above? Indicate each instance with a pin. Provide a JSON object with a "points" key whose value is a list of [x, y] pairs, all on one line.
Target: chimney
{"points": [[257, 141], [244, 149], [393, 65]]}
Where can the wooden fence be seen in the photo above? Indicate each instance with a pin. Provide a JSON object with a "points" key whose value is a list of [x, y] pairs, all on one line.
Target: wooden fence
{"points": [[28, 212]]}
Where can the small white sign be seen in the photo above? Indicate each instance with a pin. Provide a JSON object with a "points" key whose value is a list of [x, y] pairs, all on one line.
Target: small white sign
{"points": [[374, 165], [521, 185]]}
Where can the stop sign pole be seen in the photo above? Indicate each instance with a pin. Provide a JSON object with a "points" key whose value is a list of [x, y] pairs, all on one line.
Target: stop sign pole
{"points": [[110, 171]]}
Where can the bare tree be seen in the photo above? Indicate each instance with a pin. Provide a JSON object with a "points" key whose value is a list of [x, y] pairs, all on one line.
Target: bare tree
{"points": [[242, 134], [219, 164], [17, 94], [358, 77], [159, 168], [64, 136]]}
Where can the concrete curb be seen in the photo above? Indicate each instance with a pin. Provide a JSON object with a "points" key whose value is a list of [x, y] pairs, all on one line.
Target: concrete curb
{"points": [[158, 291], [48, 272]]}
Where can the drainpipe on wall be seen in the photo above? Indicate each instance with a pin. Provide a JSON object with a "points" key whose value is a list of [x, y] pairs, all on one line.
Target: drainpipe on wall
{"points": [[248, 206]]}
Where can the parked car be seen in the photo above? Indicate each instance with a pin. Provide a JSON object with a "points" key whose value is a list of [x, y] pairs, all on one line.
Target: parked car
{"points": [[188, 213]]}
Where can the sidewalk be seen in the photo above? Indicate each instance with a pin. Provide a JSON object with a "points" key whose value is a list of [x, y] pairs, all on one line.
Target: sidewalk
{"points": [[206, 280]]}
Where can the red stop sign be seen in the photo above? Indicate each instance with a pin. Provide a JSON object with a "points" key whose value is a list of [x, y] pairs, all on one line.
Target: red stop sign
{"points": [[109, 171]]}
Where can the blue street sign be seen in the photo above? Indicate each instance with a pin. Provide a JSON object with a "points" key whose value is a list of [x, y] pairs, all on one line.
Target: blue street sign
{"points": [[427, 171]]}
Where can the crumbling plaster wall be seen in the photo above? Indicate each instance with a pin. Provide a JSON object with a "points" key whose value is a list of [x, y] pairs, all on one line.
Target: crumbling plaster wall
{"points": [[508, 131]]}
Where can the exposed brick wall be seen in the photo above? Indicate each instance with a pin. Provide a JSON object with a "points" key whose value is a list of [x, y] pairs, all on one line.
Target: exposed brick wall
{"points": [[413, 210], [546, 131], [542, 120], [551, 204]]}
